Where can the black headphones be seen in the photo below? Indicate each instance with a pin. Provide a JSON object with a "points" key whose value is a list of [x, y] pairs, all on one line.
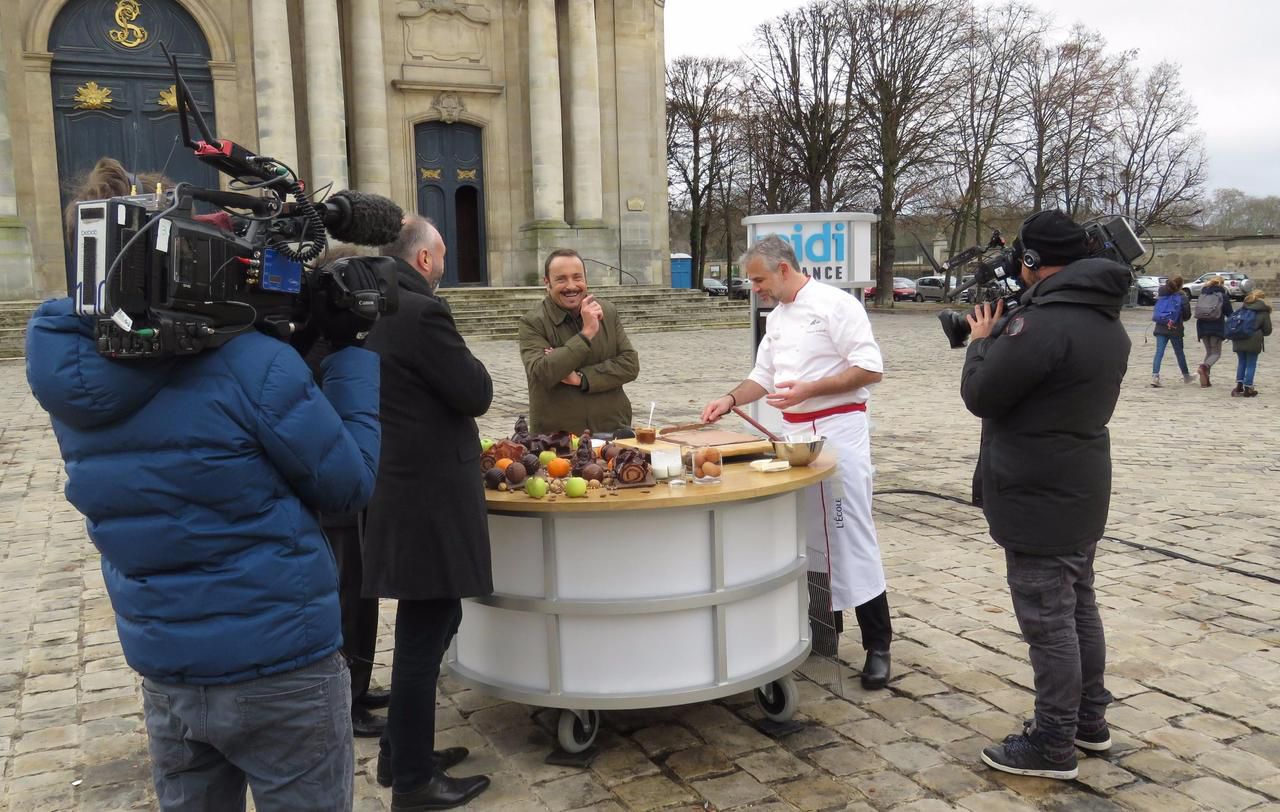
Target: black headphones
{"points": [[1030, 256]]}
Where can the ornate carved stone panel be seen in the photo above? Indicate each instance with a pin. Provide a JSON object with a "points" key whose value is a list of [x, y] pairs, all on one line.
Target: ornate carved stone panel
{"points": [[445, 31]]}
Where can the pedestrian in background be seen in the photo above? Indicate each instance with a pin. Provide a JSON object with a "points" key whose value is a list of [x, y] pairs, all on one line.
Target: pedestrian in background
{"points": [[1213, 306], [1249, 347], [1172, 310]]}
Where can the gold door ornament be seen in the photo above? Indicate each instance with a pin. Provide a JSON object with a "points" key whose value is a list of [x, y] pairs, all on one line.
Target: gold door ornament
{"points": [[467, 174], [168, 100], [91, 97], [431, 174], [128, 35]]}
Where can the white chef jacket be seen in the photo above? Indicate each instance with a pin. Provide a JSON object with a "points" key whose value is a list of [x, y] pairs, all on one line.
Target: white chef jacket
{"points": [[822, 332]]}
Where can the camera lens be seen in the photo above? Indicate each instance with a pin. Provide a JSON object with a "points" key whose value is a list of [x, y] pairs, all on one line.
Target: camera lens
{"points": [[955, 327]]}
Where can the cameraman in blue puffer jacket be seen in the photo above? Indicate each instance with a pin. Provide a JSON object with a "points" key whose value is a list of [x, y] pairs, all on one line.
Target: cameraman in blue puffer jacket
{"points": [[200, 478]]}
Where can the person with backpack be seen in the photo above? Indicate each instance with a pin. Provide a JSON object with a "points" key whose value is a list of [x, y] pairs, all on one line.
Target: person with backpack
{"points": [[1246, 329], [1172, 309], [1211, 311]]}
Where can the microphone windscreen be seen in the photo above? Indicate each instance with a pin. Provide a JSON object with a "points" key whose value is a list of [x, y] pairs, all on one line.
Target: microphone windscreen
{"points": [[367, 219]]}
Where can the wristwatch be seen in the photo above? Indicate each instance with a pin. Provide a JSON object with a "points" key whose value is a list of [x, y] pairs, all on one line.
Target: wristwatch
{"points": [[582, 380]]}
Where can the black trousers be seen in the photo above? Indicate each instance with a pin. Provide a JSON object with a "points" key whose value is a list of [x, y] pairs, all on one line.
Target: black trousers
{"points": [[826, 625], [359, 615], [423, 632]]}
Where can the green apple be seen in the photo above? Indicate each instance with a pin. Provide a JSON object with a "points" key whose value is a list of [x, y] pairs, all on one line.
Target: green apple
{"points": [[485, 445], [575, 486], [536, 487], [546, 457]]}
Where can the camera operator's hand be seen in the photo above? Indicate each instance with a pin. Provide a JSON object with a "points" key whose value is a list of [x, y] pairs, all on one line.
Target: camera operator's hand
{"points": [[983, 320], [349, 308]]}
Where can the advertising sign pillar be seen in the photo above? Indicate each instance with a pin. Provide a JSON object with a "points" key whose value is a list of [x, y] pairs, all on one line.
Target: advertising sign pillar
{"points": [[833, 248]]}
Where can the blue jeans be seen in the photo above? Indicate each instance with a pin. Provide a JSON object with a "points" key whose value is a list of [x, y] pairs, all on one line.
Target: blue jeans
{"points": [[1246, 365], [1161, 343], [1057, 611], [286, 736]]}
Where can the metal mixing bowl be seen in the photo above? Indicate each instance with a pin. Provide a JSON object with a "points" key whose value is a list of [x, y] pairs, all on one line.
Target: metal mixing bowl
{"points": [[799, 453]]}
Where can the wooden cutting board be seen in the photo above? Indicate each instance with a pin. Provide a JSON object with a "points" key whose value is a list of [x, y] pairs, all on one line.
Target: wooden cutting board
{"points": [[700, 435]]}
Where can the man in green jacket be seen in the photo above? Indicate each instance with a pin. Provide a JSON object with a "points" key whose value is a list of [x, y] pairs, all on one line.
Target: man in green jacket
{"points": [[576, 354]]}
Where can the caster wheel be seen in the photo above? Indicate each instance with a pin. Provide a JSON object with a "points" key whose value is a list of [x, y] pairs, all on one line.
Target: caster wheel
{"points": [[778, 699], [577, 733]]}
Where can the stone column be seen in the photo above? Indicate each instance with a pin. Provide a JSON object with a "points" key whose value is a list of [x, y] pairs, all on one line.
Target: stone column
{"points": [[326, 108], [546, 136], [584, 114], [369, 98], [16, 265], [273, 81]]}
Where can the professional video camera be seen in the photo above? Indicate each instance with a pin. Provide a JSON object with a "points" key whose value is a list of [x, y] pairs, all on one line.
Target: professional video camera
{"points": [[165, 281], [997, 276]]}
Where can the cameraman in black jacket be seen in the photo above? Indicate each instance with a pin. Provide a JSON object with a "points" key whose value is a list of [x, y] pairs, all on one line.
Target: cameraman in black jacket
{"points": [[1045, 385]]}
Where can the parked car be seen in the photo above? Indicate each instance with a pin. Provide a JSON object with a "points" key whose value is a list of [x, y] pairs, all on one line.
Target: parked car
{"points": [[929, 288], [714, 287], [1149, 288], [1233, 281], [904, 290], [739, 288]]}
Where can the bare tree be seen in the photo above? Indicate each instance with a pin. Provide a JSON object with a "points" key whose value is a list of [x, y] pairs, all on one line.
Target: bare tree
{"points": [[1157, 172], [999, 41], [903, 75], [700, 92], [803, 69], [1231, 211]]}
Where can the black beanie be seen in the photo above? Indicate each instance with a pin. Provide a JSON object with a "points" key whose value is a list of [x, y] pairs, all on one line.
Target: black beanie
{"points": [[1055, 237]]}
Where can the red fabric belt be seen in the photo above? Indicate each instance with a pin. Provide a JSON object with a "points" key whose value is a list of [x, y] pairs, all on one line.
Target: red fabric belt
{"points": [[808, 417]]}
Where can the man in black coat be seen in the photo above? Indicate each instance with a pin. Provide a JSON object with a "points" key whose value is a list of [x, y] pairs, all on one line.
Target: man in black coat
{"points": [[426, 537], [1045, 384]]}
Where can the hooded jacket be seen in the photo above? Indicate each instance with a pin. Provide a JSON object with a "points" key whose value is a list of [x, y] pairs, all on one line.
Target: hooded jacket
{"points": [[199, 478], [1262, 317], [1045, 388], [1214, 327]]}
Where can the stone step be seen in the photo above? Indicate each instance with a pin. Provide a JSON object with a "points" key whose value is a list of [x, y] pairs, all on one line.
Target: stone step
{"points": [[12, 342]]}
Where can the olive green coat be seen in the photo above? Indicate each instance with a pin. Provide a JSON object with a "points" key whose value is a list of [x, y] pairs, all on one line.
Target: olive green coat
{"points": [[606, 362], [1255, 342]]}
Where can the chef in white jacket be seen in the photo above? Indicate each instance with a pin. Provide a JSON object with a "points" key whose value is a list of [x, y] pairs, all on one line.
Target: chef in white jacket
{"points": [[815, 364]]}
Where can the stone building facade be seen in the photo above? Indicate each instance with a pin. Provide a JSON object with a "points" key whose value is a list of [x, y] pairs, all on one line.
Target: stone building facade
{"points": [[519, 125]]}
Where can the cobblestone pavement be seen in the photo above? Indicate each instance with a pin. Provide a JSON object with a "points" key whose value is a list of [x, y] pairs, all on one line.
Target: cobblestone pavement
{"points": [[1185, 580]]}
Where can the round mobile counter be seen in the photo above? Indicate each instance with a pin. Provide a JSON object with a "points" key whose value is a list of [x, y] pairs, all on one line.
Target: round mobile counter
{"points": [[648, 597]]}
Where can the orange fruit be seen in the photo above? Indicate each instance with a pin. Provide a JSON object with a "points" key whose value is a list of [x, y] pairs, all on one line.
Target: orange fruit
{"points": [[502, 464], [558, 468]]}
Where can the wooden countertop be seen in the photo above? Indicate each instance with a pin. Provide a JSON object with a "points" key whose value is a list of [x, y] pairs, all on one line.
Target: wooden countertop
{"points": [[737, 483]]}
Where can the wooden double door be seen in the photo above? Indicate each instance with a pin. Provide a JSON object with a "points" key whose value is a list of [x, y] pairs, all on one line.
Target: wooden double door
{"points": [[450, 184]]}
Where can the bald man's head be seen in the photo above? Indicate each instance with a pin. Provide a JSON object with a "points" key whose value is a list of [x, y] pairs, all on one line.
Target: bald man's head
{"points": [[420, 245]]}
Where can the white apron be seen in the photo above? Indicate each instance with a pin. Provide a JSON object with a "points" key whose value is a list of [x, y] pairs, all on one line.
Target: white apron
{"points": [[842, 534]]}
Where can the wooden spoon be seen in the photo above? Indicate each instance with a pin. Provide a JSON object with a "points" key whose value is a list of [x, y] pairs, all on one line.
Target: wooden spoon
{"points": [[756, 425]]}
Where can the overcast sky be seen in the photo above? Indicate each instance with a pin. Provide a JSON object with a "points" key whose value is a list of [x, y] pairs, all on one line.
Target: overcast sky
{"points": [[1228, 50]]}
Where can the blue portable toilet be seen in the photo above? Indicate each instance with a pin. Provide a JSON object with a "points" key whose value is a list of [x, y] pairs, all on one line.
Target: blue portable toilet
{"points": [[681, 271]]}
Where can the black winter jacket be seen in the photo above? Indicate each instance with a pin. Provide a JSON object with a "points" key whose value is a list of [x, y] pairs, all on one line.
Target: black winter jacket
{"points": [[426, 528], [1045, 388]]}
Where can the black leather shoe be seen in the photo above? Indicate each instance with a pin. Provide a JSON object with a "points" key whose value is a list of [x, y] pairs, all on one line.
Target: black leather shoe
{"points": [[364, 724], [875, 671], [446, 758], [374, 698], [441, 792]]}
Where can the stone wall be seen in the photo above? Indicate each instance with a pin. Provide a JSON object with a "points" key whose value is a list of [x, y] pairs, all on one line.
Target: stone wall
{"points": [[1258, 256]]}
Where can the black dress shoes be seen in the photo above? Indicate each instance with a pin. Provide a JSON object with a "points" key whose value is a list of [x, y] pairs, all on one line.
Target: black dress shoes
{"points": [[374, 698], [441, 792], [364, 724], [446, 758], [875, 671]]}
